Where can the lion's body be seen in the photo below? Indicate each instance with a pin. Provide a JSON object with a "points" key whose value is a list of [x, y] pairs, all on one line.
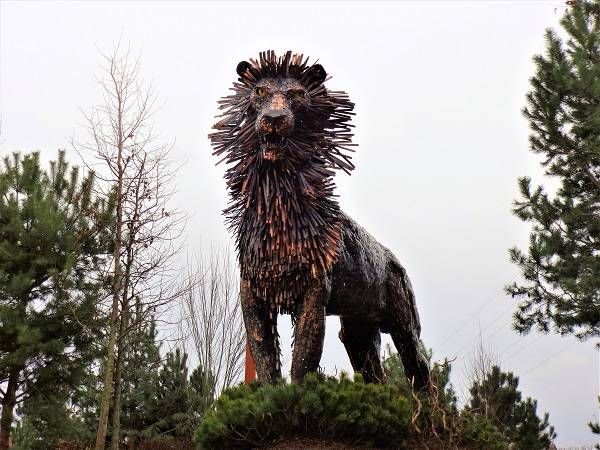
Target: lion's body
{"points": [[369, 290], [284, 135], [359, 276]]}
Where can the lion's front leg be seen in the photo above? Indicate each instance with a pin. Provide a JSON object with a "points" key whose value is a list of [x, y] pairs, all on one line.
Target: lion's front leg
{"points": [[309, 331], [261, 333]]}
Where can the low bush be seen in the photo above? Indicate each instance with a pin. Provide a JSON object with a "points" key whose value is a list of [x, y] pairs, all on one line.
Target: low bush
{"points": [[350, 411], [165, 443], [344, 411]]}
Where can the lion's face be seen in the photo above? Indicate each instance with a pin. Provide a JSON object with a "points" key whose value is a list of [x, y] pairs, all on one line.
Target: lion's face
{"points": [[280, 120], [279, 104], [281, 108]]}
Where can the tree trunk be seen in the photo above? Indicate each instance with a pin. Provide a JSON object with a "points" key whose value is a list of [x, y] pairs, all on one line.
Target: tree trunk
{"points": [[116, 415], [116, 407], [108, 370], [116, 292], [8, 405], [124, 323]]}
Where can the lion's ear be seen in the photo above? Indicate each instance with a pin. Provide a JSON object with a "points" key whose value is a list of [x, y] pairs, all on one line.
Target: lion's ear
{"points": [[242, 67], [315, 74]]}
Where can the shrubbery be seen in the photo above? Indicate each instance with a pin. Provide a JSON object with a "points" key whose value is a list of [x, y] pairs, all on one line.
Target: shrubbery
{"points": [[381, 416], [323, 407]]}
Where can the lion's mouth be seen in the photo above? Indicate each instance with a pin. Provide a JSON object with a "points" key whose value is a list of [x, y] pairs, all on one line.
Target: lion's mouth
{"points": [[272, 146]]}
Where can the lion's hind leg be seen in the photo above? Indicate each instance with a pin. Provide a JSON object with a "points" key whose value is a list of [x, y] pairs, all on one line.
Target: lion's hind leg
{"points": [[415, 364], [404, 326], [363, 344]]}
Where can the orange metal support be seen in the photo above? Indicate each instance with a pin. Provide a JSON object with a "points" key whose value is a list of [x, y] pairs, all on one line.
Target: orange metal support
{"points": [[250, 369]]}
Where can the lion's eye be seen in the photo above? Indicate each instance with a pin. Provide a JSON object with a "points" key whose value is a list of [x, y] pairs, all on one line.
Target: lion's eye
{"points": [[260, 91], [296, 94]]}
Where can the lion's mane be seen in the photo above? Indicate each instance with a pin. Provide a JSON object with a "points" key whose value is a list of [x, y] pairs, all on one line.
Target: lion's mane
{"points": [[283, 214]]}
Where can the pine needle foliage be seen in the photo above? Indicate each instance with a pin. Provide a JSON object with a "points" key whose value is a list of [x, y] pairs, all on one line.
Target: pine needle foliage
{"points": [[437, 422], [496, 398], [561, 268], [52, 243], [245, 417]]}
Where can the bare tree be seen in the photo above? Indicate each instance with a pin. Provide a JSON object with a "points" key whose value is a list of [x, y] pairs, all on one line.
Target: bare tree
{"points": [[213, 322], [138, 175], [480, 365]]}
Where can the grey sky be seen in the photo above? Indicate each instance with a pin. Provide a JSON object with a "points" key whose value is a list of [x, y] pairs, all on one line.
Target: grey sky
{"points": [[438, 88]]}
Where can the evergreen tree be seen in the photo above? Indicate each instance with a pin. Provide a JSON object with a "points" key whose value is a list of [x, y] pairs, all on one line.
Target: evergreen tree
{"points": [[440, 376], [141, 364], [51, 417], [202, 391], [51, 245], [172, 407], [497, 399], [561, 269]]}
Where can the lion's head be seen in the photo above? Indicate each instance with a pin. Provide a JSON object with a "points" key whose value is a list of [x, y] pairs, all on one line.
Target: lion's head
{"points": [[281, 110], [283, 135], [278, 102]]}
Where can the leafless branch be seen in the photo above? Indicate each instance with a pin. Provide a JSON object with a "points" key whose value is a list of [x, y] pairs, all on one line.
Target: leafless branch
{"points": [[212, 318]]}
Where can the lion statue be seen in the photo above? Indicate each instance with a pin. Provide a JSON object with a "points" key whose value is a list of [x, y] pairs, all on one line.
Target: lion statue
{"points": [[283, 134]]}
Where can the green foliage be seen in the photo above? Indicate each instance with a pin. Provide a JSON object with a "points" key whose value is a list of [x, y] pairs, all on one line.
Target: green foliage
{"points": [[24, 436], [562, 266], [160, 405], [477, 432], [251, 416], [497, 399], [437, 421], [595, 428], [141, 364], [202, 390], [171, 409], [166, 443], [52, 243], [52, 421]]}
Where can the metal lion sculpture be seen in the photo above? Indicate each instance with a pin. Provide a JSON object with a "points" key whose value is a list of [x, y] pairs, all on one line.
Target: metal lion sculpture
{"points": [[283, 135]]}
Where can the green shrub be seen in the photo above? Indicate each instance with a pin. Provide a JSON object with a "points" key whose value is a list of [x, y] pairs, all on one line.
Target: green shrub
{"points": [[479, 433], [23, 436], [165, 443], [322, 407]]}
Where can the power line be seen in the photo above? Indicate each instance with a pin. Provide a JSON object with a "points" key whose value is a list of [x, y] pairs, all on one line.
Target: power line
{"points": [[544, 361], [520, 339], [520, 350], [443, 342], [470, 344]]}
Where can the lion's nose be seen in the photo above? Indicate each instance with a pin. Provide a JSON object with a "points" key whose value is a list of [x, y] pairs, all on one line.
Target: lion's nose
{"points": [[278, 120]]}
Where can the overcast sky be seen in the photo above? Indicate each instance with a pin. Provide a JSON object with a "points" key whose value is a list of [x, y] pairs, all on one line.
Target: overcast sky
{"points": [[438, 88]]}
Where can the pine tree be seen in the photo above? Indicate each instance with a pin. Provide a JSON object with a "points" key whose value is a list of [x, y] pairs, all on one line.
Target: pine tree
{"points": [[440, 375], [202, 392], [141, 364], [172, 409], [497, 399], [52, 239], [561, 269], [51, 418]]}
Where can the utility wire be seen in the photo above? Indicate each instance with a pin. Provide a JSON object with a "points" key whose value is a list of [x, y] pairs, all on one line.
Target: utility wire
{"points": [[443, 342], [544, 361], [524, 347], [472, 343]]}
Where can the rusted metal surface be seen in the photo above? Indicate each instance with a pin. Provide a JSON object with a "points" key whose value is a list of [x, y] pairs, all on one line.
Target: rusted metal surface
{"points": [[249, 366], [283, 136]]}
